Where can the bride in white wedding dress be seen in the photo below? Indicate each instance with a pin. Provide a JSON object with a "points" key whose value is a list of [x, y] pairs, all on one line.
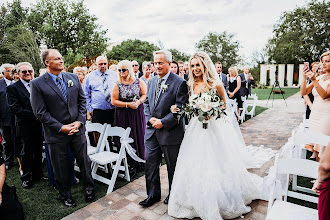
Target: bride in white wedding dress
{"points": [[210, 180]]}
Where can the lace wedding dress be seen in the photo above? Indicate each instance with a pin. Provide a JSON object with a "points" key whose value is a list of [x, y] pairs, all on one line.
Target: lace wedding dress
{"points": [[211, 180]]}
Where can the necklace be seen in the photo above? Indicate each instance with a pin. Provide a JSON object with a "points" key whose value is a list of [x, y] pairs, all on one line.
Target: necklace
{"points": [[325, 77]]}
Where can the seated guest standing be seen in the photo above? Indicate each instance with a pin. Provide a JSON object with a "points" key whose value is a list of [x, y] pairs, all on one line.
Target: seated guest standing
{"points": [[322, 185], [246, 82], [234, 87], [128, 94], [80, 72], [29, 130], [309, 98], [146, 69], [175, 67], [10, 207]]}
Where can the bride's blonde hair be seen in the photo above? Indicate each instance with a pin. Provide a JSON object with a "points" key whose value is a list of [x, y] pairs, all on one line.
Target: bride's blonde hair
{"points": [[207, 68]]}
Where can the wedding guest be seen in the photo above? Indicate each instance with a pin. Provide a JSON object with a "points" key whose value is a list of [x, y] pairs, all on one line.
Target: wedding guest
{"points": [[234, 87], [186, 67], [136, 70], [175, 67], [320, 69], [42, 71], [6, 118], [14, 75], [113, 67], [319, 120], [222, 76], [308, 99], [153, 69], [79, 71], [181, 67], [10, 207], [246, 82], [128, 94], [322, 185], [92, 68], [146, 69], [29, 130]]}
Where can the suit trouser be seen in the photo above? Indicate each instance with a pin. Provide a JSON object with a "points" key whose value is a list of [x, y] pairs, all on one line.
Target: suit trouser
{"points": [[8, 144], [31, 156], [153, 159], [59, 158]]}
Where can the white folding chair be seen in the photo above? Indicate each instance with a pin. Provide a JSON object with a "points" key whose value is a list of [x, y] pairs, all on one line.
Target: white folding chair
{"points": [[94, 127], [106, 157], [278, 207], [252, 112], [300, 138]]}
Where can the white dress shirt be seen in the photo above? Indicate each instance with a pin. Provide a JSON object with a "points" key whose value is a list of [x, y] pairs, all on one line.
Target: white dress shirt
{"points": [[26, 84]]}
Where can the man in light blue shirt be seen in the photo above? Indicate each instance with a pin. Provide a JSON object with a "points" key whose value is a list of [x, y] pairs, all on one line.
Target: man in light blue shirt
{"points": [[98, 87]]}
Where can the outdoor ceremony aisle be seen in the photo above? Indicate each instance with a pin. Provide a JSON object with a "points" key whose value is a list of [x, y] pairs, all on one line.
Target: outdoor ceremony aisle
{"points": [[272, 128]]}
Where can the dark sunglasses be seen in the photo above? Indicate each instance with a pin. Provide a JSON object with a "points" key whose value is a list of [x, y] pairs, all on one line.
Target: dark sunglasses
{"points": [[100, 64], [135, 65], [122, 70], [25, 71], [192, 66]]}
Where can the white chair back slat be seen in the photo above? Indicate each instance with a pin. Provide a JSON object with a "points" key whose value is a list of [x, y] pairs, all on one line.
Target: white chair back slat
{"points": [[306, 137], [300, 167]]}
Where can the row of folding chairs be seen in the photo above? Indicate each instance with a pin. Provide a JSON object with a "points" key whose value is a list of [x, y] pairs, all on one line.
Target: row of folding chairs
{"points": [[102, 157], [298, 165], [245, 105]]}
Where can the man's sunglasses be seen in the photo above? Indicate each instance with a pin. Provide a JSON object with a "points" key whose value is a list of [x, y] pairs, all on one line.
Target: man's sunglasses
{"points": [[122, 70], [135, 65], [25, 71]]}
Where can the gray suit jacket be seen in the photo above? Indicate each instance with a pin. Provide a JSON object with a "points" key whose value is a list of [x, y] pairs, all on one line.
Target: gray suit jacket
{"points": [[224, 81], [5, 114], [177, 93], [245, 90], [51, 108]]}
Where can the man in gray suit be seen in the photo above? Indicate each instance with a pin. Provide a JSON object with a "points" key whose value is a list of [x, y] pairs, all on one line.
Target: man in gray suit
{"points": [[222, 76], [58, 101], [164, 132], [246, 82]]}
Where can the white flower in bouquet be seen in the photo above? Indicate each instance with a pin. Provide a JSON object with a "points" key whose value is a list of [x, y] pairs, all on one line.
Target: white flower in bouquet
{"points": [[215, 104], [200, 102], [205, 107]]}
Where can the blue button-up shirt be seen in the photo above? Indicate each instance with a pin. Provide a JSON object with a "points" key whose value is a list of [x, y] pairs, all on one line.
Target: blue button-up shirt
{"points": [[94, 91]]}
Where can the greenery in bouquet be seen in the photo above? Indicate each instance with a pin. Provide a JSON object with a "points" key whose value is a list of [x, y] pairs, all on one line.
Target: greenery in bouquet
{"points": [[203, 106]]}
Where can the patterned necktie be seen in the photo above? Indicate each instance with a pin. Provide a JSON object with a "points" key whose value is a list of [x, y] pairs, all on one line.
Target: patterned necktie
{"points": [[106, 88], [159, 83], [61, 87]]}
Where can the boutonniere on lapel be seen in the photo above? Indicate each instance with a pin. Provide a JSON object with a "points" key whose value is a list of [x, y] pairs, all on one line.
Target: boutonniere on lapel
{"points": [[70, 83], [164, 87]]}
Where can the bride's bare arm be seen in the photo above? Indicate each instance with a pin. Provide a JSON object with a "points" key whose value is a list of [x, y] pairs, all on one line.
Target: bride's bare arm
{"points": [[221, 91]]}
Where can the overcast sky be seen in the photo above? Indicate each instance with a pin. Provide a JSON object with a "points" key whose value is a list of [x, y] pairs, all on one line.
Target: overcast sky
{"points": [[181, 24]]}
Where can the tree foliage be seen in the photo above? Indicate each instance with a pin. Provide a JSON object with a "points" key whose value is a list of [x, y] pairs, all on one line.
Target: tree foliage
{"points": [[67, 26], [179, 56], [220, 47], [133, 50], [301, 35]]}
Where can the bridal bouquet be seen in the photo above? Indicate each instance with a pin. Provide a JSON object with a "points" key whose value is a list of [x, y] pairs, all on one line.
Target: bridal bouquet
{"points": [[203, 106]]}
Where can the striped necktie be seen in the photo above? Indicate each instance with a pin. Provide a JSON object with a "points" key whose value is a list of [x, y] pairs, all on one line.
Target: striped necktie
{"points": [[61, 87], [106, 88], [159, 83]]}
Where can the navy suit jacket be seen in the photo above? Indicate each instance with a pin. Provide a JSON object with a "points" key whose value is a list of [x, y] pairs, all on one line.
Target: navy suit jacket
{"points": [[5, 114], [243, 90], [51, 108], [20, 106], [177, 94], [224, 81]]}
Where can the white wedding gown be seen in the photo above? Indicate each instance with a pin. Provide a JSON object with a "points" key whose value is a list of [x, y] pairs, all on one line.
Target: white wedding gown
{"points": [[211, 180]]}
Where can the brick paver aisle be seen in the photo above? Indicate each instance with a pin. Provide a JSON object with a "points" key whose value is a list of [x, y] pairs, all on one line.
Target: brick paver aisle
{"points": [[272, 128]]}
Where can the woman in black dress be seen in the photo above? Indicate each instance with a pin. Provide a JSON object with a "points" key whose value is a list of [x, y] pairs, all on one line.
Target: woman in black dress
{"points": [[234, 85]]}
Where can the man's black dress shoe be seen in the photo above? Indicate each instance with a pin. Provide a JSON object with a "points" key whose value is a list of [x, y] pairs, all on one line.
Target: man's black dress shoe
{"points": [[26, 184], [89, 196], [69, 202], [166, 200], [149, 201]]}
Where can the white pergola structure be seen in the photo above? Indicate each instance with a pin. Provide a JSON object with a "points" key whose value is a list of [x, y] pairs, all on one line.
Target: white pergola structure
{"points": [[264, 68]]}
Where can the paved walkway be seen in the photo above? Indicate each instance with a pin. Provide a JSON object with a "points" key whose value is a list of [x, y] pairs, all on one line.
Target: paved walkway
{"points": [[271, 128]]}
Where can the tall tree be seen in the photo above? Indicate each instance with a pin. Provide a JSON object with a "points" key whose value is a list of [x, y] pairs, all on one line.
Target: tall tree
{"points": [[67, 26], [179, 56], [302, 34], [133, 50], [220, 47]]}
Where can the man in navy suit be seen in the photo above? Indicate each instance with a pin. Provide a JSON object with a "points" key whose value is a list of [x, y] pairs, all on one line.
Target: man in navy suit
{"points": [[164, 132], [222, 76], [246, 82], [28, 128], [6, 116], [58, 101]]}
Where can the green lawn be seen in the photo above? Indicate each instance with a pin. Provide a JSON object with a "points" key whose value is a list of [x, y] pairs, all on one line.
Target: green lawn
{"points": [[263, 94], [259, 110]]}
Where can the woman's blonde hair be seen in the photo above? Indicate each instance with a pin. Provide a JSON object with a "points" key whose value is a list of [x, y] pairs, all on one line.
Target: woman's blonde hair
{"points": [[233, 69], [79, 69], [324, 55], [207, 68], [125, 64]]}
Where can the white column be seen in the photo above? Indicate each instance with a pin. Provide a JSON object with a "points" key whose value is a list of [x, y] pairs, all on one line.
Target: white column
{"points": [[263, 74], [289, 74], [281, 74], [272, 70], [301, 67]]}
